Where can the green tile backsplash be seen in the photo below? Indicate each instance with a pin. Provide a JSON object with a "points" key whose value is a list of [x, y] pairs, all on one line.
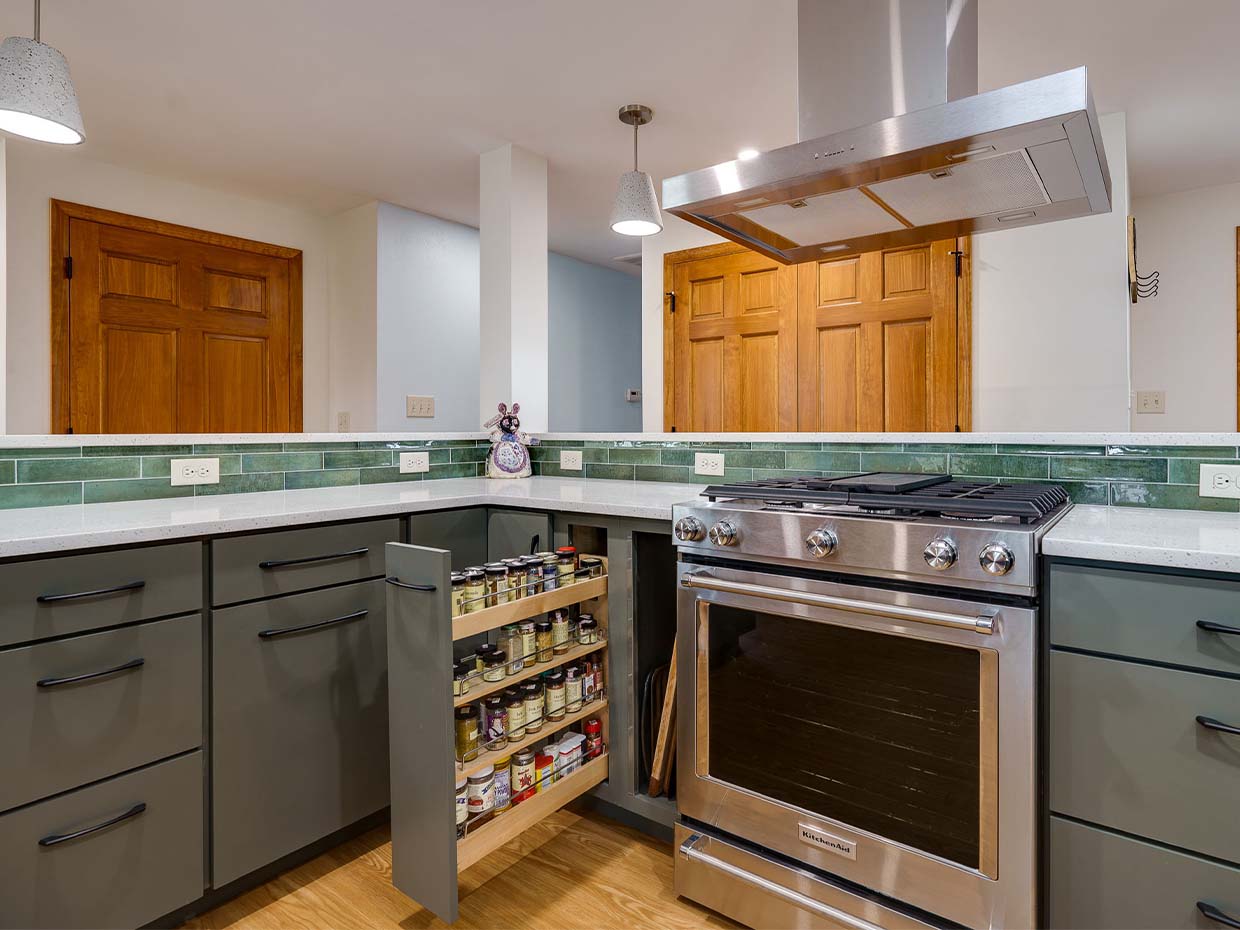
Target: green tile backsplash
{"points": [[1121, 475]]}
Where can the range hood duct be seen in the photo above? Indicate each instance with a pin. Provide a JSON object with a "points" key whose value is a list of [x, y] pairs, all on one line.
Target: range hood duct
{"points": [[930, 157]]}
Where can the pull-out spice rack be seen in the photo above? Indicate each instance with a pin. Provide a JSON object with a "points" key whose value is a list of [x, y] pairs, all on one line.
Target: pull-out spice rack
{"points": [[426, 855]]}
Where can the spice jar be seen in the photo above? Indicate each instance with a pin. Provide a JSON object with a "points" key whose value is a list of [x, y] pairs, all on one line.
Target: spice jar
{"points": [[587, 630], [591, 566], [503, 784], [495, 729], [514, 703], [559, 632], [568, 759], [480, 792], [593, 730], [542, 634], [529, 641], [461, 672], [532, 691], [544, 769], [462, 805], [481, 651], [566, 565], [550, 570], [475, 590], [553, 684], [466, 733], [533, 575], [494, 665], [516, 578], [523, 775], [572, 688], [589, 687], [510, 642], [497, 582], [458, 592]]}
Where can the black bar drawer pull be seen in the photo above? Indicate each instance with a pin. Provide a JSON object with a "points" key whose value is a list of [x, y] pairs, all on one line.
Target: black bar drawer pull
{"points": [[1211, 627], [290, 630], [129, 666], [57, 838], [78, 595], [1210, 912], [1211, 724], [396, 582], [310, 559]]}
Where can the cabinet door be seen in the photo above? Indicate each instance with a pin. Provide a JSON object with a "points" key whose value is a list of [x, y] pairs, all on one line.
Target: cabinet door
{"points": [[299, 728], [515, 532], [461, 532]]}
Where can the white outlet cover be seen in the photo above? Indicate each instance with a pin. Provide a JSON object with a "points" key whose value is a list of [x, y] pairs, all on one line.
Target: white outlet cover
{"points": [[570, 459], [708, 463], [195, 471], [1219, 481], [414, 462], [419, 405]]}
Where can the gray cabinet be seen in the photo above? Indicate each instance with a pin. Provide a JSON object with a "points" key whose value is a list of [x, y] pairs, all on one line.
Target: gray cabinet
{"points": [[461, 532], [516, 532], [299, 723]]}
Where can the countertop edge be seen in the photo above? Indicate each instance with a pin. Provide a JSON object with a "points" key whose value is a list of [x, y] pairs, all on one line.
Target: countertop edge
{"points": [[1150, 537]]}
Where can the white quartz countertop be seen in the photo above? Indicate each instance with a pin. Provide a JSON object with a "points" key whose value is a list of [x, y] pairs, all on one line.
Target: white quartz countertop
{"points": [[83, 526], [1146, 536]]}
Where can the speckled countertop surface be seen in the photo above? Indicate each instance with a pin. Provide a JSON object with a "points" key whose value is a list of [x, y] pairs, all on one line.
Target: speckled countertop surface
{"points": [[39, 530], [1145, 536]]}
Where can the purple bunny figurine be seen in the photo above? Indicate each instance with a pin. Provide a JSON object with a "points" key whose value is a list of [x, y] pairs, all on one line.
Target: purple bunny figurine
{"points": [[508, 457]]}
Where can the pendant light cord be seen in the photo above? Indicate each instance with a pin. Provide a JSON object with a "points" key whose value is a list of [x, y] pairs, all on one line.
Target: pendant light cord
{"points": [[634, 134], [36, 20]]}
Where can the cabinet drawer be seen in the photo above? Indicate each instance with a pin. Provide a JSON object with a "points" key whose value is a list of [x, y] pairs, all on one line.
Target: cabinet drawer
{"points": [[53, 597], [299, 726], [124, 875], [1126, 751], [61, 732], [249, 567], [1146, 616], [1100, 881]]}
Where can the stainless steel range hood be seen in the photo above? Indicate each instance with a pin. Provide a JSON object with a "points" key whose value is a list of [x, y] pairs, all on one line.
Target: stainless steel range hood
{"points": [[938, 161]]}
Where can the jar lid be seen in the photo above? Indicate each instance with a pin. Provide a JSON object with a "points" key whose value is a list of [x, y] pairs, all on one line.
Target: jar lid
{"points": [[524, 757], [512, 561], [458, 577], [497, 657], [513, 698], [483, 774], [566, 550], [549, 557], [532, 687], [483, 649], [465, 711], [593, 726], [572, 671], [543, 554], [463, 669], [472, 568], [542, 626], [566, 556], [461, 783], [591, 560], [473, 574], [532, 560], [571, 741], [555, 676], [543, 759], [496, 568], [503, 763], [587, 621]]}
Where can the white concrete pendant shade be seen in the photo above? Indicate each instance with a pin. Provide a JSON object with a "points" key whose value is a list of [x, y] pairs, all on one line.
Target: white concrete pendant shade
{"points": [[636, 212], [37, 99]]}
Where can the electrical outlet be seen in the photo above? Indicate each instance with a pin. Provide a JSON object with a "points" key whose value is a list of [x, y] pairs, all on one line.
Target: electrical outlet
{"points": [[417, 405], [1219, 481], [1151, 401], [342, 421], [413, 462], [708, 463], [570, 460], [195, 471]]}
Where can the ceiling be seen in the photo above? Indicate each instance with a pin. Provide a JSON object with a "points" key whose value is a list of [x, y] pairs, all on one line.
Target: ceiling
{"points": [[329, 104]]}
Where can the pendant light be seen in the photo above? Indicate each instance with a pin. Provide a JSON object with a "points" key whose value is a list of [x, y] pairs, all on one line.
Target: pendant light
{"points": [[636, 212], [37, 99]]}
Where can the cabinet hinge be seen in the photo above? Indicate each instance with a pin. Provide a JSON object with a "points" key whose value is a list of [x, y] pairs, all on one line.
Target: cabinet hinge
{"points": [[959, 255], [69, 267], [671, 301]]}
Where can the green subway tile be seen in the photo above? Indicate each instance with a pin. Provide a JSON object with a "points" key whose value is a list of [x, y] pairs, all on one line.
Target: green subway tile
{"points": [[928, 462], [824, 460], [282, 461], [8, 471], [243, 484], [1049, 449], [37, 470], [753, 458], [388, 475], [357, 458], [319, 446], [787, 446], [1168, 452], [664, 473], [469, 454], [730, 475], [1111, 467], [454, 470], [599, 470], [330, 478], [553, 470], [594, 456], [394, 444], [964, 448], [549, 453], [139, 489], [40, 495], [1188, 471], [1079, 492], [220, 447], [1000, 466], [25, 452], [862, 447], [112, 451], [160, 466], [680, 456], [1174, 496], [633, 456]]}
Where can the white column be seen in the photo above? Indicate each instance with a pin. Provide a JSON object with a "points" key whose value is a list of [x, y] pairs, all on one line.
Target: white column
{"points": [[513, 284]]}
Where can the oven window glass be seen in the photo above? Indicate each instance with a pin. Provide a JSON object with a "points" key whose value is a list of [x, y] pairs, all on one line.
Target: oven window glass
{"points": [[877, 731]]}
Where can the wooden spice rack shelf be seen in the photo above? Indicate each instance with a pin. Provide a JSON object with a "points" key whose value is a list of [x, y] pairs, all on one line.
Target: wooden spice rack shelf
{"points": [[595, 708], [532, 670], [490, 836], [492, 618]]}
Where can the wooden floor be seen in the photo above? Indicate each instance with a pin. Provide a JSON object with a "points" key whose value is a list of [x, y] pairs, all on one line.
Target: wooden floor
{"points": [[569, 871]]}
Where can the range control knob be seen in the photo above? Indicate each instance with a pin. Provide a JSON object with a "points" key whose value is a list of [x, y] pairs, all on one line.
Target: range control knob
{"points": [[821, 543], [940, 553], [690, 529], [723, 534], [997, 559]]}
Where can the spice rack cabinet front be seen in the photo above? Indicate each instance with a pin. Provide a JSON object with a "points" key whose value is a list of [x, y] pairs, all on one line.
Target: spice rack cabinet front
{"points": [[426, 854]]}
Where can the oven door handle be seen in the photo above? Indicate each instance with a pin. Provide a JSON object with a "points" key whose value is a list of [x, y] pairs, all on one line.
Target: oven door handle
{"points": [[689, 850], [977, 624]]}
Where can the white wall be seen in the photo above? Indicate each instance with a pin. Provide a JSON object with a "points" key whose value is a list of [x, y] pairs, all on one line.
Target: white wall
{"points": [[36, 173], [353, 330], [1184, 340], [595, 343]]}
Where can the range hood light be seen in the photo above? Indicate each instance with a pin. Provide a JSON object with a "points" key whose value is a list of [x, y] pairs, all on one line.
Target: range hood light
{"points": [[37, 99], [636, 211]]}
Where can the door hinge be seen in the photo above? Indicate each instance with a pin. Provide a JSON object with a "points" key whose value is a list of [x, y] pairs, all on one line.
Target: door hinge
{"points": [[671, 301], [69, 267], [959, 255], [69, 430]]}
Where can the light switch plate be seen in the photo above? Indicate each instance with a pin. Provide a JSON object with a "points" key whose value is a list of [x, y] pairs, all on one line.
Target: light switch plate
{"points": [[342, 421], [570, 459], [414, 462], [633, 395], [195, 471], [1219, 481], [1151, 401], [708, 463], [418, 405]]}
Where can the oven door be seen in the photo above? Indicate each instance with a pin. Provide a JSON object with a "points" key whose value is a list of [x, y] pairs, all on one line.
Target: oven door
{"points": [[882, 736]]}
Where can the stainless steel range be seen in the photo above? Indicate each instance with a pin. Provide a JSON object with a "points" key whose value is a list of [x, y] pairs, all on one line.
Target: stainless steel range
{"points": [[856, 665]]}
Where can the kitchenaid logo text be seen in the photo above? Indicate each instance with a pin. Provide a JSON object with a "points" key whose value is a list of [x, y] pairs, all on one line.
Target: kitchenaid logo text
{"points": [[828, 841]]}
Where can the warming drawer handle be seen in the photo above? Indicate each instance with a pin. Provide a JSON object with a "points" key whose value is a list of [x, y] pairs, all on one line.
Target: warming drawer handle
{"points": [[78, 595], [129, 666], [1211, 724], [978, 624], [689, 850], [285, 563], [58, 838], [1210, 912], [306, 628], [1211, 627], [396, 582]]}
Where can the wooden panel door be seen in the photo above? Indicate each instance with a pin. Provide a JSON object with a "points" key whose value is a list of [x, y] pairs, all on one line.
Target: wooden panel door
{"points": [[877, 341], [172, 330], [734, 342]]}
